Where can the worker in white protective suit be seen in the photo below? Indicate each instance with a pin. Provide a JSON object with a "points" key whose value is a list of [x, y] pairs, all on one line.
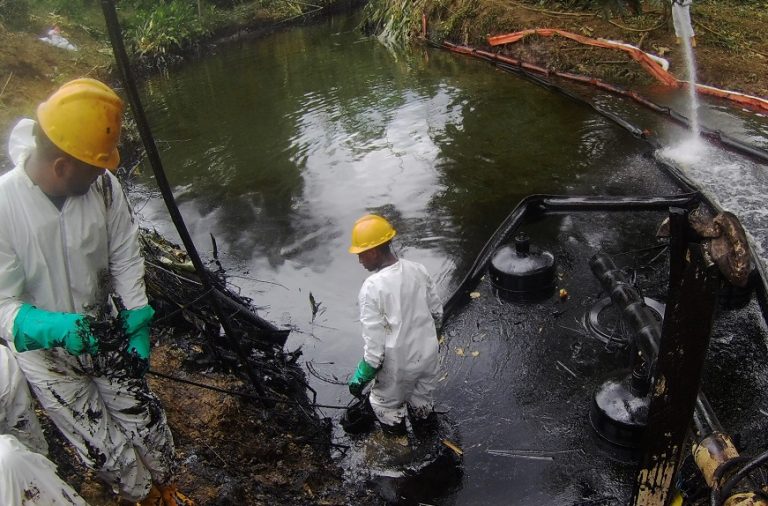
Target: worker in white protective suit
{"points": [[27, 477], [399, 311], [681, 19], [69, 259]]}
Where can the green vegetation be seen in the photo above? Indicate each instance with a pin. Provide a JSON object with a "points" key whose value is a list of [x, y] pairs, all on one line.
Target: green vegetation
{"points": [[154, 28], [168, 26], [395, 21]]}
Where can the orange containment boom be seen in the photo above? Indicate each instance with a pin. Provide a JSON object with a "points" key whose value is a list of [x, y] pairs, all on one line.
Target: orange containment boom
{"points": [[647, 61], [638, 55]]}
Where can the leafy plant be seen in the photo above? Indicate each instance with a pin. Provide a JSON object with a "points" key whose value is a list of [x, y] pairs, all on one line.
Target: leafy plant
{"points": [[167, 26], [14, 12], [393, 20]]}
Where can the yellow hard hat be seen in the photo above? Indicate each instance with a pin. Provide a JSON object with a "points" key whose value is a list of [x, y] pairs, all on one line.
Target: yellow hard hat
{"points": [[83, 119], [370, 231]]}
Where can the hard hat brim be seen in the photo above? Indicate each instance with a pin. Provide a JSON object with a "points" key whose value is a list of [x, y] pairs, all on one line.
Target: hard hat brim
{"points": [[356, 250]]}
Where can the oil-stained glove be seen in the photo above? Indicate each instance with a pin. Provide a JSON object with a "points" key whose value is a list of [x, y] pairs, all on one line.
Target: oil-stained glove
{"points": [[35, 329], [136, 325], [363, 375]]}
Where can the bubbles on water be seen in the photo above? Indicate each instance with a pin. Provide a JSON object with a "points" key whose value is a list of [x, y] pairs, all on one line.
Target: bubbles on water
{"points": [[736, 183], [687, 153]]}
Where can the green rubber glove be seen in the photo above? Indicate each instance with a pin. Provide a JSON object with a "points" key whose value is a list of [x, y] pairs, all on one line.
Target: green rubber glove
{"points": [[136, 324], [363, 375], [34, 329]]}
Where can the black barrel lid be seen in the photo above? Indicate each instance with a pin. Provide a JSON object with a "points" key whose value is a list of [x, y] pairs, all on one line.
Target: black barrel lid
{"points": [[522, 259]]}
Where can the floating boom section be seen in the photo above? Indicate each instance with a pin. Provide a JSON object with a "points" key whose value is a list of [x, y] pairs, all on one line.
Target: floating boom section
{"points": [[649, 62]]}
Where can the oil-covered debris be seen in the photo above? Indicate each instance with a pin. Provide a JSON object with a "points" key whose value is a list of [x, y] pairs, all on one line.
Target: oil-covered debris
{"points": [[236, 442], [422, 466], [725, 241]]}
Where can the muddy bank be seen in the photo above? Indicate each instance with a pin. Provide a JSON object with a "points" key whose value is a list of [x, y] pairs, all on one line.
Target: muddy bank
{"points": [[246, 429], [732, 38], [230, 450]]}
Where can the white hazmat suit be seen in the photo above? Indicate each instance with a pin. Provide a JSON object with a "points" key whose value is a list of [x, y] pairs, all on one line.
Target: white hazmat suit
{"points": [[27, 477], [398, 310], [681, 18], [72, 260]]}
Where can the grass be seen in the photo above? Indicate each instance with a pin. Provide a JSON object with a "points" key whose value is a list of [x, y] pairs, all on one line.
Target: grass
{"points": [[152, 28]]}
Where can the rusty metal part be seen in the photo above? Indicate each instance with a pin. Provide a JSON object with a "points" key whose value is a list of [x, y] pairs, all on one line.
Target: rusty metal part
{"points": [[724, 240], [703, 224], [745, 499], [712, 452], [730, 250]]}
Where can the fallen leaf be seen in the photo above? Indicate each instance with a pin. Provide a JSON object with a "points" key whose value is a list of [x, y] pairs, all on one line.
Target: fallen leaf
{"points": [[474, 295], [441, 340], [475, 353], [460, 352], [453, 447]]}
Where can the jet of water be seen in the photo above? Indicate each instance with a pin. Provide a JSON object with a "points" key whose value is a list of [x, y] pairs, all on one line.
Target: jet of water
{"points": [[693, 101]]}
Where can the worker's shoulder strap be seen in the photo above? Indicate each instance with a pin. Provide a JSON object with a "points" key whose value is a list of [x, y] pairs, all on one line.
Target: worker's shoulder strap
{"points": [[107, 190]]}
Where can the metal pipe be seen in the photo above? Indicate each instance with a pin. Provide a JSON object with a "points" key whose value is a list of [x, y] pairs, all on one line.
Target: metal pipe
{"points": [[646, 329], [115, 35], [647, 334]]}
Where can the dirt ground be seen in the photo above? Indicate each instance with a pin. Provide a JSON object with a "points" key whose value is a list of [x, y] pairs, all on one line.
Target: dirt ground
{"points": [[230, 450]]}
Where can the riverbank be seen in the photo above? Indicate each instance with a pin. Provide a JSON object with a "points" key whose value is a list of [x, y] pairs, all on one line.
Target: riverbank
{"points": [[731, 36], [732, 51], [31, 69]]}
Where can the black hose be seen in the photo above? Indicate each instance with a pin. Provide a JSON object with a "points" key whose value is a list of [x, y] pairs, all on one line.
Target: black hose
{"points": [[118, 47], [714, 496], [244, 395], [742, 473]]}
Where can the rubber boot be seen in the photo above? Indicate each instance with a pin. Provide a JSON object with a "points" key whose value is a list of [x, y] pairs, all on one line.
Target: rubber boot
{"points": [[394, 430], [165, 495], [426, 426]]}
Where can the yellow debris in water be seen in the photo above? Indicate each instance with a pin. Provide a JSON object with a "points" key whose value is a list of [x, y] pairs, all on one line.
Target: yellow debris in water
{"points": [[460, 352], [475, 353], [454, 447], [474, 295]]}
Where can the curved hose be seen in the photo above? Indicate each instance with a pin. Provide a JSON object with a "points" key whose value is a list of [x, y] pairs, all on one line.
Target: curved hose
{"points": [[720, 495]]}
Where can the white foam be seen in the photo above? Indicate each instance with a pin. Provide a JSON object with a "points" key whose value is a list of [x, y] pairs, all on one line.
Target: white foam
{"points": [[737, 184]]}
